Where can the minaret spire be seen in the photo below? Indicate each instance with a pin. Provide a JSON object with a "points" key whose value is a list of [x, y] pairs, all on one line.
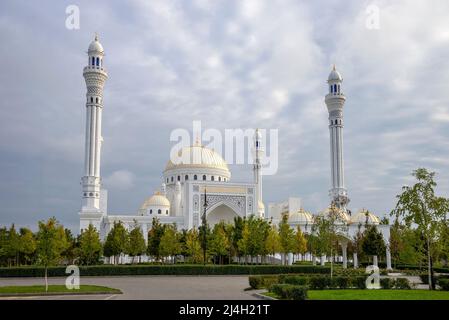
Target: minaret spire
{"points": [[335, 101], [258, 152], [95, 76]]}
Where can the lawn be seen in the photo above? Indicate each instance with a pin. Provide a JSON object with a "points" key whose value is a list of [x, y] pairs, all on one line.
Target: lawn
{"points": [[52, 289], [354, 294]]}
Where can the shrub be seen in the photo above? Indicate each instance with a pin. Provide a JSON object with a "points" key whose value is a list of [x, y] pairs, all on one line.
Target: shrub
{"points": [[259, 282], [387, 283], [319, 283], [402, 283], [444, 284], [340, 282], [289, 291], [296, 280], [359, 282]]}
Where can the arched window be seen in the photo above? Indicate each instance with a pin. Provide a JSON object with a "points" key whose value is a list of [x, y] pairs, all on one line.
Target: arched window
{"points": [[336, 121], [179, 178], [186, 177], [167, 180], [171, 179], [151, 211], [335, 88], [212, 178], [91, 99], [98, 62], [195, 177], [93, 61], [159, 211], [96, 100], [166, 211], [204, 177], [219, 178]]}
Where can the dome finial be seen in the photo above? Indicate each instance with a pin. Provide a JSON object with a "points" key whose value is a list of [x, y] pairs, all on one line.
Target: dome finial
{"points": [[333, 67], [96, 36]]}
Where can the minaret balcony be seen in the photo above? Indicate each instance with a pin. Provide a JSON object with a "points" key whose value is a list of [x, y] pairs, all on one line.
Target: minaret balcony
{"points": [[94, 69]]}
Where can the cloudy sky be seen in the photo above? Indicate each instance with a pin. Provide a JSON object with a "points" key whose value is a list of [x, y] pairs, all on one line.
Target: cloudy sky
{"points": [[230, 64]]}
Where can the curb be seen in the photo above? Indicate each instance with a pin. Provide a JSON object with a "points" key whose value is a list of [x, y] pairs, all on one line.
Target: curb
{"points": [[5, 295], [262, 297]]}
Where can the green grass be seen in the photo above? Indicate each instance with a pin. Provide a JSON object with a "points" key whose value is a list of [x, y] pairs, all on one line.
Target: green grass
{"points": [[354, 294], [40, 289]]}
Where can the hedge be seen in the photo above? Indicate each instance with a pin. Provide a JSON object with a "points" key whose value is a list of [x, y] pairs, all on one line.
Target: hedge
{"points": [[444, 284], [118, 270], [289, 291]]}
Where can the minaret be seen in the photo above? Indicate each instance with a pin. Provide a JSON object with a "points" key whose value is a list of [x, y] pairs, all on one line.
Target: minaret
{"points": [[95, 76], [335, 101], [258, 152]]}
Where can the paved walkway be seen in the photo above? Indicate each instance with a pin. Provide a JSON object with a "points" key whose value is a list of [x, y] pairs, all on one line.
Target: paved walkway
{"points": [[152, 287]]}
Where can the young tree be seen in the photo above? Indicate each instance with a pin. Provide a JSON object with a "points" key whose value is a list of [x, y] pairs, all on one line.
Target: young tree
{"points": [[193, 246], [137, 245], [273, 241], [300, 242], [237, 233], [154, 239], [27, 244], [287, 237], [13, 248], [89, 246], [51, 242], [219, 243], [243, 242], [170, 245], [69, 253], [373, 242], [116, 241], [419, 206]]}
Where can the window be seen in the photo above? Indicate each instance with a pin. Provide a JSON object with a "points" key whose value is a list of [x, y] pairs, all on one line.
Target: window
{"points": [[93, 61], [167, 180], [98, 62], [335, 88], [204, 177], [91, 99], [212, 178], [186, 177], [159, 211], [195, 177], [171, 179], [179, 178], [166, 211], [151, 211], [257, 144], [96, 100], [330, 88], [219, 178]]}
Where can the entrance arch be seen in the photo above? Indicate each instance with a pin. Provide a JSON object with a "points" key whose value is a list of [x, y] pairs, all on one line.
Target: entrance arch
{"points": [[220, 212]]}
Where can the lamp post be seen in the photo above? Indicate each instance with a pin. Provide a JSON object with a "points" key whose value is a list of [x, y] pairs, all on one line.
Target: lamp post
{"points": [[204, 227]]}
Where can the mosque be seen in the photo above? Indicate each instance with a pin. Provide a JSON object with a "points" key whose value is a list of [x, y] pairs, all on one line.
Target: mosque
{"points": [[180, 199]]}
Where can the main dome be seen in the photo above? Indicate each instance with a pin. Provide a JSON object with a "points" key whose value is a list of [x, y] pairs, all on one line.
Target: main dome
{"points": [[198, 156]]}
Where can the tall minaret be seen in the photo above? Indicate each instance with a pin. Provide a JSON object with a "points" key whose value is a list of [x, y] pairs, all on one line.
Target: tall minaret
{"points": [[258, 152], [335, 101], [95, 76]]}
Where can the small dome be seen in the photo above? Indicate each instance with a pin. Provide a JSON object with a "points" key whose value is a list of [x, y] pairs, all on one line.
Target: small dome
{"points": [[301, 217], [364, 216], [156, 200], [341, 214], [334, 75], [95, 46], [261, 206]]}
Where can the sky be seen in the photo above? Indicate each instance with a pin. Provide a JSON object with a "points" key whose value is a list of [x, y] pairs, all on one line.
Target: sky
{"points": [[229, 64]]}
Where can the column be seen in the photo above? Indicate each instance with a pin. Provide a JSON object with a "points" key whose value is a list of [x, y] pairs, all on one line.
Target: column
{"points": [[323, 260], [389, 259], [356, 262], [344, 249], [375, 260]]}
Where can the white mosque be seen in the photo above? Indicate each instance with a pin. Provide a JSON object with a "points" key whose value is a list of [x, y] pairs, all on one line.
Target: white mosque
{"points": [[180, 199]]}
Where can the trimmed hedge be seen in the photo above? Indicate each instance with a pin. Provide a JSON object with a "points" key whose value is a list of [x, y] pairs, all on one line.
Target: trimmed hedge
{"points": [[182, 269], [444, 284], [260, 282], [289, 291], [387, 283]]}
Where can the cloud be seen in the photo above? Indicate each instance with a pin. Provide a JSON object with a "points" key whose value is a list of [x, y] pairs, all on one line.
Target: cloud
{"points": [[120, 180]]}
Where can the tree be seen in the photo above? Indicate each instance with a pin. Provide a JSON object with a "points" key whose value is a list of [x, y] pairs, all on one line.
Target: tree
{"points": [[300, 242], [169, 245], [154, 239], [13, 248], [27, 244], [287, 237], [243, 242], [137, 245], [272, 241], [116, 241], [193, 245], [219, 243], [373, 242], [69, 253], [89, 246], [419, 206], [237, 231], [51, 242]]}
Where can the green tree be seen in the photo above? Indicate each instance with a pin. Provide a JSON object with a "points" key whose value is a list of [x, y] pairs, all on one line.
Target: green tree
{"points": [[419, 206], [4, 246], [69, 253], [89, 246], [116, 241], [193, 246], [300, 242], [27, 244], [154, 239], [170, 244], [219, 243], [287, 237], [237, 234], [137, 245], [51, 242], [243, 242], [13, 248], [272, 241], [373, 242]]}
